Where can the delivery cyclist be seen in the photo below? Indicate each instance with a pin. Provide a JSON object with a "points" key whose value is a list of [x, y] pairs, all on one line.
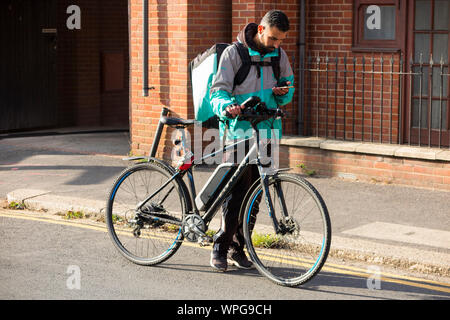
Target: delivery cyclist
{"points": [[263, 42]]}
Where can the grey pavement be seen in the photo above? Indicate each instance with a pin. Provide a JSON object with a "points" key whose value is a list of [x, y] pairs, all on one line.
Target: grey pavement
{"points": [[74, 169]]}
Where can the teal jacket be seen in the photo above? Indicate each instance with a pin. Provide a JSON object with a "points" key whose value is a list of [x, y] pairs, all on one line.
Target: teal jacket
{"points": [[223, 95]]}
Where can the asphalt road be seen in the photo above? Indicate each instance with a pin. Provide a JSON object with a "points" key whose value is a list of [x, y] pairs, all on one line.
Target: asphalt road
{"points": [[45, 257]]}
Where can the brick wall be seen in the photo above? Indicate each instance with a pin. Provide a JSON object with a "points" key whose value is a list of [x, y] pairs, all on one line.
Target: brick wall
{"points": [[178, 31]]}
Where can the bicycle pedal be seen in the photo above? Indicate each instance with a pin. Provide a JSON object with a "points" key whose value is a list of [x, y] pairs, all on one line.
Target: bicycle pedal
{"points": [[205, 241]]}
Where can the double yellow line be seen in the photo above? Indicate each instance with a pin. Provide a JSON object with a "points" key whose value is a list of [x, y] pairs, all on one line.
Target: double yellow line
{"points": [[329, 267]]}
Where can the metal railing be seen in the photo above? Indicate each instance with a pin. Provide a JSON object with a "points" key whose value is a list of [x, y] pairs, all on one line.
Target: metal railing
{"points": [[380, 99]]}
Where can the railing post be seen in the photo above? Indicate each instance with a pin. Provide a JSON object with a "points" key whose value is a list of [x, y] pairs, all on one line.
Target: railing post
{"points": [[335, 94], [326, 116], [411, 79], [373, 85], [317, 94], [420, 99], [381, 98], [441, 93], [354, 98], [430, 99], [392, 87], [363, 87], [345, 95], [400, 101]]}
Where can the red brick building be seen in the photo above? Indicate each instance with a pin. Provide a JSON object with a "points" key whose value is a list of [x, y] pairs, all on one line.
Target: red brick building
{"points": [[371, 76], [373, 104]]}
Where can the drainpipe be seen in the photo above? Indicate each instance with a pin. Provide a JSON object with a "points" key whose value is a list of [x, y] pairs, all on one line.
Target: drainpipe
{"points": [[145, 87], [301, 72]]}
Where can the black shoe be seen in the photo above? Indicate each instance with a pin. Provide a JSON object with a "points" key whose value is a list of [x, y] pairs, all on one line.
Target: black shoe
{"points": [[218, 261], [240, 260]]}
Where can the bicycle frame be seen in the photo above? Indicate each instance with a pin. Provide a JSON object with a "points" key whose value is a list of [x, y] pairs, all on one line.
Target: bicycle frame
{"points": [[213, 208]]}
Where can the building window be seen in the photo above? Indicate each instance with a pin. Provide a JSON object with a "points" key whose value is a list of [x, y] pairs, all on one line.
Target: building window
{"points": [[378, 26]]}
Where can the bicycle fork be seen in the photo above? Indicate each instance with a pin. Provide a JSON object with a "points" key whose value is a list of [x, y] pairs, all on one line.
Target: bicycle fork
{"points": [[283, 225], [269, 202]]}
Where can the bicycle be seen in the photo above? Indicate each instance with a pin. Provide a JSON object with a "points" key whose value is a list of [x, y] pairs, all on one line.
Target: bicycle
{"points": [[151, 210]]}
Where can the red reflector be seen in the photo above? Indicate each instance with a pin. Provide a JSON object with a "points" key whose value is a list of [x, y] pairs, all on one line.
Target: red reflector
{"points": [[187, 164]]}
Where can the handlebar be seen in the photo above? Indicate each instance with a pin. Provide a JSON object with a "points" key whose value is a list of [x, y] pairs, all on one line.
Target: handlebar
{"points": [[254, 109]]}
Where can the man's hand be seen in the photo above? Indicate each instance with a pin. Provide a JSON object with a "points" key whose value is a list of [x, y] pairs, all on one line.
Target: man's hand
{"points": [[234, 110], [281, 91]]}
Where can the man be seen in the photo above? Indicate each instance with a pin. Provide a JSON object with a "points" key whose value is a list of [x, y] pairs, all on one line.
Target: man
{"points": [[263, 42]]}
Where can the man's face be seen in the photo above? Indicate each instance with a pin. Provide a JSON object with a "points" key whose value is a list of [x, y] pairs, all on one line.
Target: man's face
{"points": [[270, 37]]}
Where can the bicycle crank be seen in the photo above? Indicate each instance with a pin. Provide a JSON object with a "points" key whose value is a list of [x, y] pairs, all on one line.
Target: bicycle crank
{"points": [[193, 227]]}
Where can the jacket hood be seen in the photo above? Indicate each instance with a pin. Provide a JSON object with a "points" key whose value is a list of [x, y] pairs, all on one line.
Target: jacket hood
{"points": [[246, 36]]}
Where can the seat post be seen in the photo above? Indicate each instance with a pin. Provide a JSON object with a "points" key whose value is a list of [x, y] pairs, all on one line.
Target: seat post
{"points": [[158, 133]]}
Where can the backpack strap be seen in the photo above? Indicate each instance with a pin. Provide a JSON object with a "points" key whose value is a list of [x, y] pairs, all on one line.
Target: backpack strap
{"points": [[276, 65], [247, 63]]}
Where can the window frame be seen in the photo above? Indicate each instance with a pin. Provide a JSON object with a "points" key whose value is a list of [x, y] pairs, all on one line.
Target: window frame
{"points": [[359, 44]]}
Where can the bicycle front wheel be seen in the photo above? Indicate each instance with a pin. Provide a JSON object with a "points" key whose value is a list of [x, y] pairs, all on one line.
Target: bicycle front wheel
{"points": [[297, 252], [152, 234]]}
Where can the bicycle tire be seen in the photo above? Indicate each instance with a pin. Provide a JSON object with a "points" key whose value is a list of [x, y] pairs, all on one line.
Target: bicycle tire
{"points": [[289, 259], [165, 238]]}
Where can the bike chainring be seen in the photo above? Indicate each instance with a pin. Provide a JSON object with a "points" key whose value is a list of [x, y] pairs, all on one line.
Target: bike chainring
{"points": [[193, 227]]}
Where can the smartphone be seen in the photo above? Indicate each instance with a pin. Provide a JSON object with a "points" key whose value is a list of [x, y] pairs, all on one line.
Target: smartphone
{"points": [[287, 87]]}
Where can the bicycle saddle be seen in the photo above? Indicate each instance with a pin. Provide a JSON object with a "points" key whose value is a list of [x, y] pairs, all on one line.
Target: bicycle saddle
{"points": [[177, 121]]}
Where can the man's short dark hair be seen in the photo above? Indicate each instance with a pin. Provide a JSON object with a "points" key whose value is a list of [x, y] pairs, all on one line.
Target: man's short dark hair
{"points": [[276, 18]]}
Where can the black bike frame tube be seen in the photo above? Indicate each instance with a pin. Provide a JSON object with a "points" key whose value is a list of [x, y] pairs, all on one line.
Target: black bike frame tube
{"points": [[139, 206], [158, 133], [160, 219], [281, 198], [269, 203], [192, 192]]}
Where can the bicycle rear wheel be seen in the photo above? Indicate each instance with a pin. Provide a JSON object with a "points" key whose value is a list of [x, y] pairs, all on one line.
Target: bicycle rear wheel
{"points": [[153, 234], [298, 251]]}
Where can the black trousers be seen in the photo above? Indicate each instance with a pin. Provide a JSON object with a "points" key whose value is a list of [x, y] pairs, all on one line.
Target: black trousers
{"points": [[231, 235]]}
